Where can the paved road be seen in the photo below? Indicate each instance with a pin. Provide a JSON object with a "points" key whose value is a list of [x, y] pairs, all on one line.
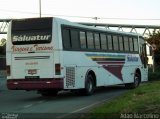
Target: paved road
{"points": [[66, 104]]}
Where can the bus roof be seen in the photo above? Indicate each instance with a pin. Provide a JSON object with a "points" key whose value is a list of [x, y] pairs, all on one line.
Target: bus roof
{"points": [[74, 24], [67, 22]]}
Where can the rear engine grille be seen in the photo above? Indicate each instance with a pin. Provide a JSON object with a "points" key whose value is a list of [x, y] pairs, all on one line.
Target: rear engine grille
{"points": [[70, 76]]}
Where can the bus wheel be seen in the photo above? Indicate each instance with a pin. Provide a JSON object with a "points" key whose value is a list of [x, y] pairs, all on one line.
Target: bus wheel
{"points": [[135, 83], [89, 85], [47, 93]]}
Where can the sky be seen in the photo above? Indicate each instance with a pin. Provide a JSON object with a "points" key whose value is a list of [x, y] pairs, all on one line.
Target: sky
{"points": [[123, 10], [144, 12]]}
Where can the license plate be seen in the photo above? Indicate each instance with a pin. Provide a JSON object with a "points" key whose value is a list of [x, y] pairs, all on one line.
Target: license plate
{"points": [[32, 77], [32, 71]]}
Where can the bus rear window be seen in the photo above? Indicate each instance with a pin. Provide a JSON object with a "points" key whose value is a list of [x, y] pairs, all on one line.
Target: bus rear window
{"points": [[31, 31]]}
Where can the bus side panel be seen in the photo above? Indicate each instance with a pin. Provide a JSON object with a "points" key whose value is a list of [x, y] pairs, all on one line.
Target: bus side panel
{"points": [[32, 65], [133, 63], [77, 64], [128, 73], [144, 74]]}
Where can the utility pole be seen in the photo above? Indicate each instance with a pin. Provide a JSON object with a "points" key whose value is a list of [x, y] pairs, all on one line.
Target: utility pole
{"points": [[40, 8]]}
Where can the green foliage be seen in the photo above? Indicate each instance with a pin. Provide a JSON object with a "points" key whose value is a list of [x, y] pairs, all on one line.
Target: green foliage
{"points": [[143, 100], [153, 76], [154, 38]]}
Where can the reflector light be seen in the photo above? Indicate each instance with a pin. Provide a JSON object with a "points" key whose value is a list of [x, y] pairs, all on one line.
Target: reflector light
{"points": [[48, 82], [15, 83]]}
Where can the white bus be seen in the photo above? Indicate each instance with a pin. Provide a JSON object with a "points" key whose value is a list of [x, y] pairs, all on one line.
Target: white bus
{"points": [[52, 54]]}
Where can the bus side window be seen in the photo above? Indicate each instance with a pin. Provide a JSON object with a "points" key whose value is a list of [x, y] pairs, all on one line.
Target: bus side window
{"points": [[103, 42], [135, 42], [75, 39], [97, 41], [115, 43], [83, 43], [126, 43], [131, 43], [121, 46], [143, 55], [110, 45], [66, 38], [90, 42]]}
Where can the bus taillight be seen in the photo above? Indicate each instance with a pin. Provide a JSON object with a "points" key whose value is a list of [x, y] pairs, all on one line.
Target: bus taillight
{"points": [[58, 69], [8, 70]]}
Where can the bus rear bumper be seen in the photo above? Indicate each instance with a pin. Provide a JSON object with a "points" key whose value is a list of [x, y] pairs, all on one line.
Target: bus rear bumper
{"points": [[36, 84]]}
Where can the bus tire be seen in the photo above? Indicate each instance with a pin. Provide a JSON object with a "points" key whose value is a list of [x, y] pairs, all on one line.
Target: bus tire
{"points": [[89, 85], [135, 84]]}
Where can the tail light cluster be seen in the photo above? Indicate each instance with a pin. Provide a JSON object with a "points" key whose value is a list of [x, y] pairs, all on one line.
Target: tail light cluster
{"points": [[58, 69]]}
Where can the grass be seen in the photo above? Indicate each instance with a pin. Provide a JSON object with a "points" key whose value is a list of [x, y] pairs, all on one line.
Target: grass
{"points": [[142, 102]]}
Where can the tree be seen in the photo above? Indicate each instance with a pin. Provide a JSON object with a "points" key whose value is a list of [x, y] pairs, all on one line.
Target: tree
{"points": [[154, 40]]}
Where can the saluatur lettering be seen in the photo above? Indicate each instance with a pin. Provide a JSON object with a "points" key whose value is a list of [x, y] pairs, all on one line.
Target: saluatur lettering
{"points": [[31, 38], [132, 59]]}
